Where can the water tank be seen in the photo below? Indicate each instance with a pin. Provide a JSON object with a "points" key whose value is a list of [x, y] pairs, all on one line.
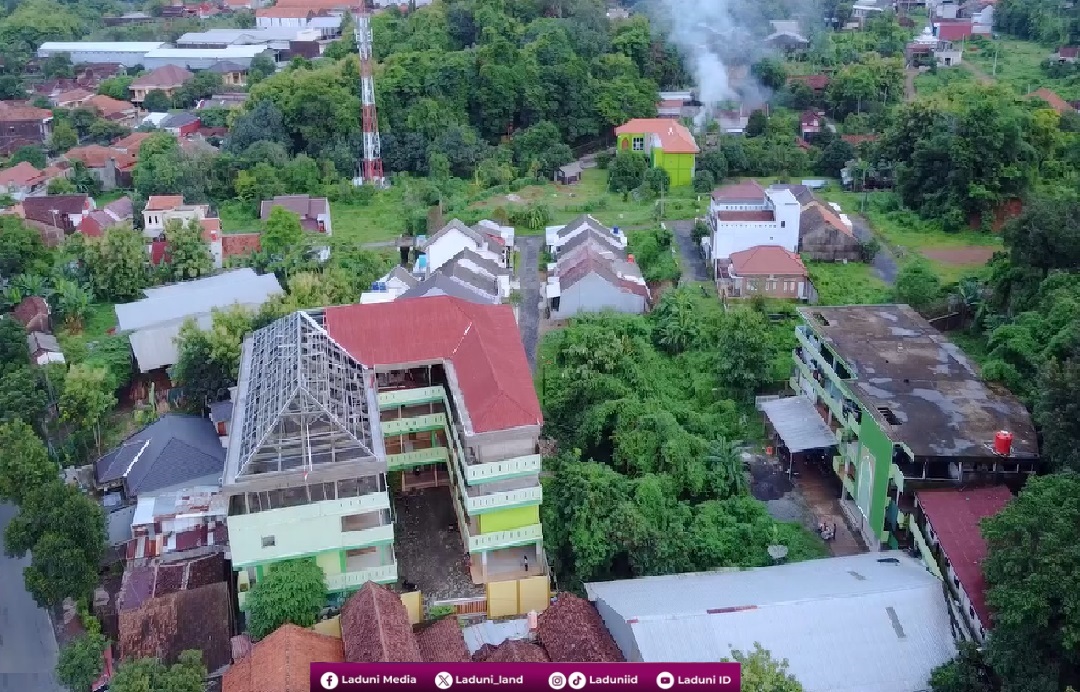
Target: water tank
{"points": [[630, 258], [1003, 443], [615, 230]]}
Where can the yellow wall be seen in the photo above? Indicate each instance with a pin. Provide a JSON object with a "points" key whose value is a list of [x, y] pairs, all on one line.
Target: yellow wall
{"points": [[330, 562], [507, 519]]}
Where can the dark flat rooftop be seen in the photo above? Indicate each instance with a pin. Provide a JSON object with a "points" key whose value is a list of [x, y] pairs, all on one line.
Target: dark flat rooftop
{"points": [[936, 398]]}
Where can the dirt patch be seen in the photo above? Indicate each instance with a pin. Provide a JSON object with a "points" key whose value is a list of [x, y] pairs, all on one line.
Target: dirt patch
{"points": [[962, 256]]}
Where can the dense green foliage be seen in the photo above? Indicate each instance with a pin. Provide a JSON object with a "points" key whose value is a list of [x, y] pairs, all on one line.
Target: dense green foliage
{"points": [[1046, 21], [80, 662], [152, 675], [292, 591], [642, 484], [760, 672]]}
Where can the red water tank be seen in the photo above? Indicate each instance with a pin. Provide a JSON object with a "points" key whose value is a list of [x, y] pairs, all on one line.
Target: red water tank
{"points": [[630, 258], [1003, 443]]}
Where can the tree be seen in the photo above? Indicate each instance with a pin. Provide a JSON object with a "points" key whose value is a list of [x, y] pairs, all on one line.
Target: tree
{"points": [[262, 66], [61, 186], [627, 171], [704, 181], [34, 22], [151, 675], [762, 673], [1057, 410], [64, 136], [72, 303], [65, 532], [116, 87], [657, 180], [834, 157], [32, 154], [14, 351], [968, 672], [1032, 551], [157, 101], [208, 362], [676, 323], [293, 591], [744, 353], [117, 264], [918, 285], [756, 123], [724, 460], [770, 72], [263, 123], [189, 256], [81, 663], [58, 67], [86, 399], [21, 249], [282, 234], [22, 396], [541, 145], [25, 463], [159, 168]]}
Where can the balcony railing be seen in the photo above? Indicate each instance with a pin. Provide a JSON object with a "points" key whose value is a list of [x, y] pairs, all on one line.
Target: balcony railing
{"points": [[422, 457], [410, 397], [403, 426], [511, 498], [500, 470], [505, 539], [373, 536], [384, 574]]}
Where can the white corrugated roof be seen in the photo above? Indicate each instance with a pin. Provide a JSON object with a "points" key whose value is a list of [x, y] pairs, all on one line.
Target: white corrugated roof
{"points": [[216, 53], [847, 624], [798, 423], [101, 46], [494, 633]]}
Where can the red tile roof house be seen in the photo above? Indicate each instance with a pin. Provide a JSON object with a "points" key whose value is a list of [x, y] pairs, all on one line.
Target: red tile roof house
{"points": [[769, 270], [24, 180], [112, 109], [161, 209], [111, 166], [314, 212], [375, 628], [167, 78], [113, 214], [443, 642], [71, 99], [1068, 54], [816, 82], [811, 123], [951, 522], [165, 626], [22, 124], [282, 661], [57, 216], [33, 314], [571, 630], [591, 280]]}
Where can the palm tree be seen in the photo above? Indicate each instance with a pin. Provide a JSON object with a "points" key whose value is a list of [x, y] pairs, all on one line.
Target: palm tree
{"points": [[72, 302], [724, 460], [32, 285]]}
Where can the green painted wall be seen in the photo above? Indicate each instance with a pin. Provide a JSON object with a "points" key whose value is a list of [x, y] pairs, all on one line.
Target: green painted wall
{"points": [[680, 167], [879, 448], [508, 519]]}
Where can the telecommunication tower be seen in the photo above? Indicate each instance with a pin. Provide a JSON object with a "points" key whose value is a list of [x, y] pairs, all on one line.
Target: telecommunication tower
{"points": [[370, 170]]}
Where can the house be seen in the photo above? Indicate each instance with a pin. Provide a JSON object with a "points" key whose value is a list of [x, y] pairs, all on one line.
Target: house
{"points": [[944, 53], [375, 628], [826, 235], [744, 215], [811, 123], [816, 82], [130, 144], [229, 100], [233, 74], [160, 210], [22, 124], [240, 245], [1053, 100], [33, 314], [167, 78], [126, 53], [955, 547], [112, 109], [460, 362], [733, 122], [766, 270], [570, 174], [390, 287], [667, 144], [115, 213], [155, 321], [787, 37], [958, 30], [72, 98], [884, 611], [172, 524], [594, 277], [282, 661], [572, 631], [280, 16], [163, 627], [909, 411], [443, 642], [24, 180], [314, 212], [113, 167], [1067, 54], [863, 10], [556, 237], [180, 124], [450, 240], [238, 5], [468, 275], [60, 212], [44, 348]]}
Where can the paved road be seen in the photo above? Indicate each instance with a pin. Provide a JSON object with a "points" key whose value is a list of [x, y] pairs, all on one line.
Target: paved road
{"points": [[694, 267], [528, 273], [27, 641], [884, 263], [909, 83]]}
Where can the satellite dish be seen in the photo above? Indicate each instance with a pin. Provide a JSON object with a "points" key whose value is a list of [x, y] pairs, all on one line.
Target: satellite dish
{"points": [[778, 552]]}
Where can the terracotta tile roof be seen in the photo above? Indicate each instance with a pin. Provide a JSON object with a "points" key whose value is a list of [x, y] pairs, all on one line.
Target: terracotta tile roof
{"points": [[285, 12], [282, 661], [241, 646], [816, 212], [159, 579], [375, 626], [810, 118], [767, 260], [856, 140], [163, 202], [22, 174], [74, 95], [745, 191], [572, 631], [41, 208], [674, 137], [745, 216], [1069, 52], [164, 77], [32, 313], [954, 31], [481, 341], [304, 206], [817, 82], [443, 642], [955, 516], [511, 651], [132, 142], [240, 244], [164, 627], [97, 156], [1052, 99], [108, 106], [12, 111]]}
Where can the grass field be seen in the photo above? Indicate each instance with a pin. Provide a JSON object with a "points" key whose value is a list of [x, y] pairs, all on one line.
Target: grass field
{"points": [[929, 83], [1019, 66], [845, 284], [381, 220], [99, 320]]}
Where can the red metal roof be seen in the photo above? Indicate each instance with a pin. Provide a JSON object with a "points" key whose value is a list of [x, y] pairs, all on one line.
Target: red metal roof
{"points": [[767, 260], [1069, 52], [955, 31], [745, 191], [955, 515], [817, 82], [481, 341]]}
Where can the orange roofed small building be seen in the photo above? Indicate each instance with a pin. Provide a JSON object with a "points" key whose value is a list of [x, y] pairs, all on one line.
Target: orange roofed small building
{"points": [[767, 270], [282, 661], [667, 144]]}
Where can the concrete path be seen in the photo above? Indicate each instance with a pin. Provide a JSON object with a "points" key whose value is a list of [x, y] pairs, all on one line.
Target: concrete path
{"points": [[693, 264], [27, 641], [909, 83], [528, 273]]}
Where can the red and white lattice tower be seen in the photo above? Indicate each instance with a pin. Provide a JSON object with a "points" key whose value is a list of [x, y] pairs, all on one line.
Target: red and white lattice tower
{"points": [[370, 171]]}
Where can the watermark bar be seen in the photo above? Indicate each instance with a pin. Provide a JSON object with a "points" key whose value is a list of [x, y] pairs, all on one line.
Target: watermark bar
{"points": [[525, 677]]}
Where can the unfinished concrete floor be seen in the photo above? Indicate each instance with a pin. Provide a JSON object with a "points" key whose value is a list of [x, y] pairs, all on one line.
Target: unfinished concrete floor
{"points": [[429, 553], [821, 492]]}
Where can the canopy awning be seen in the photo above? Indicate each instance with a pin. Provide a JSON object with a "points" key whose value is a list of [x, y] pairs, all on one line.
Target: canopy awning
{"points": [[798, 424]]}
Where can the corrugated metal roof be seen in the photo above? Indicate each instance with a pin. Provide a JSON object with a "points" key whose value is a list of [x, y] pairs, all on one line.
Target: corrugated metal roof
{"points": [[845, 624], [798, 423], [216, 53], [100, 46], [494, 633]]}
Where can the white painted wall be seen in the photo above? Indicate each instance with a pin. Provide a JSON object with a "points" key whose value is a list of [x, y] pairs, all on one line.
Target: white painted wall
{"points": [[443, 250], [594, 294], [735, 236]]}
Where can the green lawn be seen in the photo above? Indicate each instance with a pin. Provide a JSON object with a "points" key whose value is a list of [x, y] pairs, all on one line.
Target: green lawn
{"points": [[109, 197], [846, 284], [380, 220], [943, 79], [99, 320], [1019, 65]]}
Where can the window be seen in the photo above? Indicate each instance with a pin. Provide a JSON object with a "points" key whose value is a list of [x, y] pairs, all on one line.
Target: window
{"points": [[783, 224], [268, 542], [888, 415], [639, 144]]}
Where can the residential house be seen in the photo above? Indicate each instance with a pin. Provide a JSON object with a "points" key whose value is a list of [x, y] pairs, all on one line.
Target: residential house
{"points": [[827, 235], [1053, 100], [314, 212], [155, 321], [128, 18], [733, 122], [572, 631], [450, 240], [787, 37], [556, 237], [33, 313], [240, 245], [956, 548], [907, 411], [126, 53], [180, 124], [390, 287], [117, 213], [57, 215], [73, 98], [863, 10], [443, 642], [811, 124], [24, 180], [512, 651], [171, 524], [233, 74], [457, 411], [817, 82], [884, 611], [175, 452], [744, 215], [112, 109], [467, 286], [570, 174], [229, 100], [22, 124], [763, 270], [667, 144], [677, 105], [592, 274], [375, 628], [44, 348], [167, 78], [959, 29], [281, 662], [1067, 54], [238, 5], [113, 167], [928, 47], [160, 210], [130, 144]]}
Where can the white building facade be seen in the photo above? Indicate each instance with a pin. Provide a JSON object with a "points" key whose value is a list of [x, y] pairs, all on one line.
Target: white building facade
{"points": [[746, 215]]}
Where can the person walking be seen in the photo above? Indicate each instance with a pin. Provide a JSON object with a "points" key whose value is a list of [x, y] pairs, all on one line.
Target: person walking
{"points": [[525, 559]]}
